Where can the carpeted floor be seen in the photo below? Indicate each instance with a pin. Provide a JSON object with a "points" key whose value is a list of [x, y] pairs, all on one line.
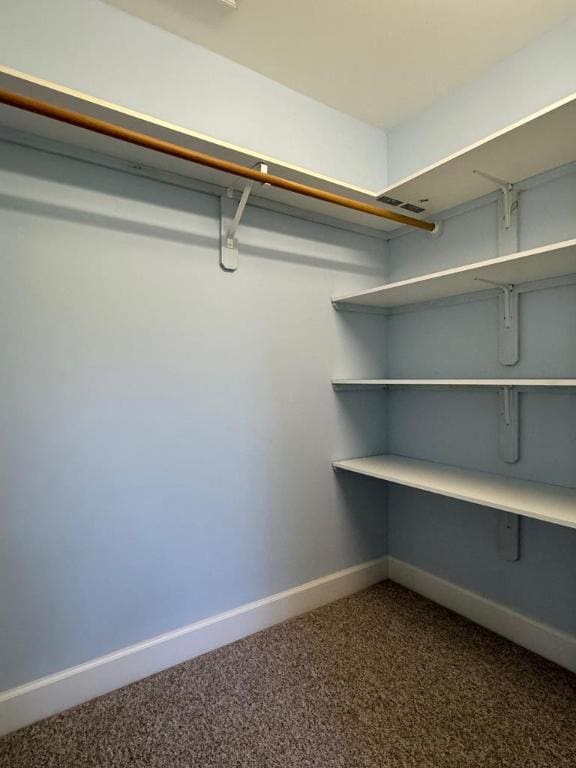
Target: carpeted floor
{"points": [[382, 679]]}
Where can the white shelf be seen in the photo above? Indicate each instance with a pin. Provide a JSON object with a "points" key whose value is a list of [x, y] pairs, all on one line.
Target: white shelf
{"points": [[539, 143], [27, 85], [343, 384], [551, 503], [542, 141], [540, 263]]}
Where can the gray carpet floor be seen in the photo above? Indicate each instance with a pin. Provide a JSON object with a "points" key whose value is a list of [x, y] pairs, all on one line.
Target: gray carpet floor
{"points": [[382, 679]]}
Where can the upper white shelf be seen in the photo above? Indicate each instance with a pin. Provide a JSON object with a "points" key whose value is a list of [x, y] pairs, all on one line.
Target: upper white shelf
{"points": [[342, 384], [540, 142], [552, 503], [535, 264], [55, 131]]}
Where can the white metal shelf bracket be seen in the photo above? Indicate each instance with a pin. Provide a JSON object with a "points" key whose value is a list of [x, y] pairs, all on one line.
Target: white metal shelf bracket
{"points": [[230, 218], [508, 425], [508, 220], [508, 326], [507, 214]]}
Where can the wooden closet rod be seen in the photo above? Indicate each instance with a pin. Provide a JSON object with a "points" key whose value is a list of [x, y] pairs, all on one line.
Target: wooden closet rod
{"points": [[167, 148]]}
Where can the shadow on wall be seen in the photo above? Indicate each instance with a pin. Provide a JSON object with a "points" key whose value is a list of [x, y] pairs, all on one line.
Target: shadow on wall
{"points": [[364, 505], [363, 423], [363, 345], [103, 221], [144, 229], [166, 211], [458, 542]]}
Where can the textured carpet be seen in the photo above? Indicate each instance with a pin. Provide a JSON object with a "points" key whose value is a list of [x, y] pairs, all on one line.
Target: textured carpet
{"points": [[382, 679]]}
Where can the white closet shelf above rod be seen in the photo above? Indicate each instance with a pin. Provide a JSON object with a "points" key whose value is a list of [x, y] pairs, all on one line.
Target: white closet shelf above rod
{"points": [[538, 143], [329, 194]]}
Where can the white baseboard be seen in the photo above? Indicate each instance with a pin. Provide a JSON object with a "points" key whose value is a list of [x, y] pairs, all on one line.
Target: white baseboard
{"points": [[49, 695], [541, 638], [44, 697]]}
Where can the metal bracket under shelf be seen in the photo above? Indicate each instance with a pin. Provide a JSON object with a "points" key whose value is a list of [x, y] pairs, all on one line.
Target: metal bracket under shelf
{"points": [[507, 214], [507, 220], [230, 218], [508, 329], [508, 429], [508, 326]]}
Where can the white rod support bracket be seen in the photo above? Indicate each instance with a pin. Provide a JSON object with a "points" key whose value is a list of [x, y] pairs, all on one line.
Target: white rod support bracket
{"points": [[235, 223], [508, 425], [508, 325], [230, 218], [508, 536], [507, 214]]}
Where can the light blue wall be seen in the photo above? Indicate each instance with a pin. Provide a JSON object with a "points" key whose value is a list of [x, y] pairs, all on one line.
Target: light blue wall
{"points": [[533, 78], [167, 428], [455, 540], [97, 49]]}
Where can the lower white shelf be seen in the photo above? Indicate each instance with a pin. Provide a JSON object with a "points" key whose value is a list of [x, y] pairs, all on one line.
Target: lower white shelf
{"points": [[551, 503], [342, 384]]}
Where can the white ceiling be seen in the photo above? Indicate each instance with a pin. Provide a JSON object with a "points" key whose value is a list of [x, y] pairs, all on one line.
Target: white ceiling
{"points": [[378, 60]]}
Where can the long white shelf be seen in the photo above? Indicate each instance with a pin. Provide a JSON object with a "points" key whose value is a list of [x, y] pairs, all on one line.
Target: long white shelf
{"points": [[551, 503], [27, 85], [343, 384], [541, 142], [538, 143], [547, 261]]}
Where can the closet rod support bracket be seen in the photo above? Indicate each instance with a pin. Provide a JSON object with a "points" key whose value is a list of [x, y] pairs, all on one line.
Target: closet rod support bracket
{"points": [[230, 218]]}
